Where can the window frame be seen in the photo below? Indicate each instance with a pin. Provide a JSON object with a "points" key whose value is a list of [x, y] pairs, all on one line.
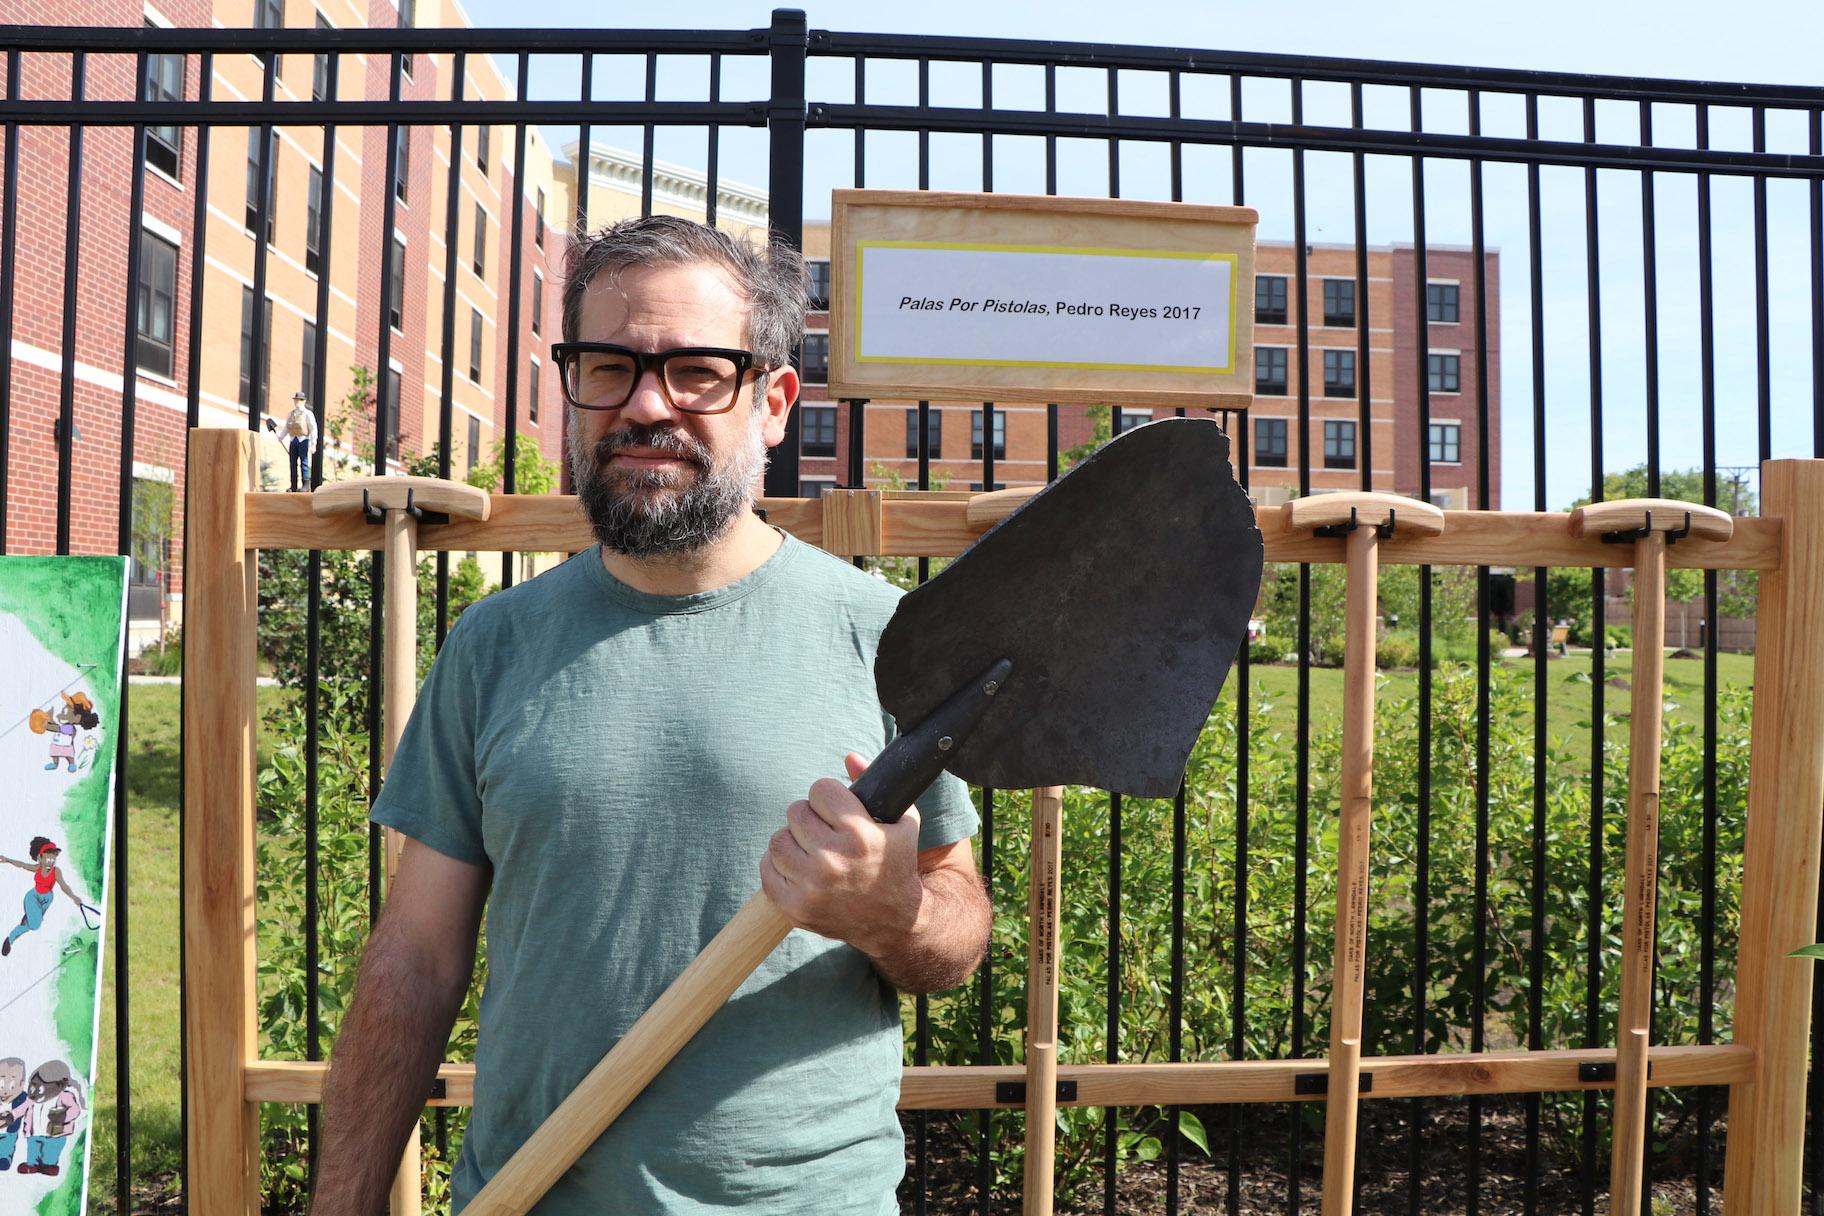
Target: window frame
{"points": [[1264, 453], [975, 434], [479, 261], [1269, 316], [395, 304], [1434, 307], [1265, 387], [475, 346], [268, 14], [532, 387], [272, 181], [538, 302], [1334, 358], [1437, 441], [538, 217], [246, 382], [307, 362], [1336, 431], [1435, 377], [934, 432], [145, 308], [1337, 319], [817, 372], [159, 144], [817, 270], [313, 221], [824, 416], [402, 164]]}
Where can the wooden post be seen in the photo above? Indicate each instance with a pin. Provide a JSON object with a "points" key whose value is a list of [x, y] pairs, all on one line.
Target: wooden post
{"points": [[1780, 863], [221, 593], [399, 690], [1045, 889]]}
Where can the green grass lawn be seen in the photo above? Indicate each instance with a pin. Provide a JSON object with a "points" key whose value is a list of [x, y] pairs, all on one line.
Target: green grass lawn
{"points": [[152, 858]]}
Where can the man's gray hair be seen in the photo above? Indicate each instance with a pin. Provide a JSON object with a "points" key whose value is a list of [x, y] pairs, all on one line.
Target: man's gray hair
{"points": [[771, 276]]}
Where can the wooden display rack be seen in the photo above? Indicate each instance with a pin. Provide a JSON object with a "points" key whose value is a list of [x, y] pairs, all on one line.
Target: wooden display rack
{"points": [[1764, 1068]]}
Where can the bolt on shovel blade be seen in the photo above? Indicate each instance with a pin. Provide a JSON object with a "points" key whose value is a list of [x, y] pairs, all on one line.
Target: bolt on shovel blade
{"points": [[1120, 594]]}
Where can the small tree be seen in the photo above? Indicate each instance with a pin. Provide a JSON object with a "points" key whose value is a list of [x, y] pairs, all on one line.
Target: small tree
{"points": [[532, 472]]}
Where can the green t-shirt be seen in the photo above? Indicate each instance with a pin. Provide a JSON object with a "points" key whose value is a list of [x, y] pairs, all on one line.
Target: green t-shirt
{"points": [[621, 760]]}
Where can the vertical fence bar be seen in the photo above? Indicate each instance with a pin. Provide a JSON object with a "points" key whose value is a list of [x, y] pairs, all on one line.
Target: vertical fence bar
{"points": [[646, 136], [1763, 349], [1302, 846], [129, 401], [1175, 991], [1706, 353], [1650, 288], [1238, 995], [515, 271], [192, 408], [313, 626], [712, 166], [259, 358], [72, 244], [788, 42], [446, 381], [1592, 1027], [1363, 346], [1817, 293], [584, 134], [9, 234]]}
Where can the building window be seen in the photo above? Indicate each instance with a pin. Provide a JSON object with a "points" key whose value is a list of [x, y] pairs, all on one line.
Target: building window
{"points": [[1339, 302], [319, 69], [481, 148], [408, 17], [475, 345], [395, 294], [253, 179], [481, 241], [532, 401], [934, 433], [1127, 420], [402, 164], [1441, 371], [1270, 299], [474, 442], [818, 437], [975, 435], [1441, 303], [1339, 445], [538, 219], [1270, 370], [307, 365], [820, 285], [816, 361], [1446, 446], [815, 487], [313, 223], [164, 82], [1339, 373], [157, 297], [389, 401], [151, 540], [538, 302], [247, 349], [268, 14], [1270, 442]]}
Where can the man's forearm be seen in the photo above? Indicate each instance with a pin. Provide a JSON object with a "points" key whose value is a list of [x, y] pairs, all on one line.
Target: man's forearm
{"points": [[381, 1070], [947, 940]]}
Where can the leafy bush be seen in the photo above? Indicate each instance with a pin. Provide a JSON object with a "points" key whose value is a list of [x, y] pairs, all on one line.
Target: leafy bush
{"points": [[1620, 637], [1268, 649], [164, 657], [1397, 650]]}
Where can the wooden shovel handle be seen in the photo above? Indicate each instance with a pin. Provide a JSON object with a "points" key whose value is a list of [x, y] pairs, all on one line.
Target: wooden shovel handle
{"points": [[649, 1044]]}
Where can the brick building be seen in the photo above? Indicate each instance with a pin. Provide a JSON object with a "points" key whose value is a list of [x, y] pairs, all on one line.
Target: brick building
{"points": [[301, 251]]}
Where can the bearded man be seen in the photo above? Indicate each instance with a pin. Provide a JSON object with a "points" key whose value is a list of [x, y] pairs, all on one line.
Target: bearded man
{"points": [[607, 754]]}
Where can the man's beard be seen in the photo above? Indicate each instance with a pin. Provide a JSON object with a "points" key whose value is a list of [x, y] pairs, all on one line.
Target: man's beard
{"points": [[663, 512]]}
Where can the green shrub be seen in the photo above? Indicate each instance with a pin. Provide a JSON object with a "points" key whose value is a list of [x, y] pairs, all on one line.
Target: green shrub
{"points": [[1620, 637], [1397, 650], [164, 657], [1268, 649]]}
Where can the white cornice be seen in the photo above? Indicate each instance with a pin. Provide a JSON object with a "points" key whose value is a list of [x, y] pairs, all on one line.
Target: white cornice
{"points": [[618, 169]]}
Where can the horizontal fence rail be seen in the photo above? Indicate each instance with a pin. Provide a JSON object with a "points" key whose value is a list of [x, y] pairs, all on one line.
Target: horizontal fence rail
{"points": [[1629, 259]]}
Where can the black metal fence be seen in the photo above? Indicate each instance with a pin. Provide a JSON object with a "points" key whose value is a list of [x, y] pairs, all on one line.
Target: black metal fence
{"points": [[1720, 241]]}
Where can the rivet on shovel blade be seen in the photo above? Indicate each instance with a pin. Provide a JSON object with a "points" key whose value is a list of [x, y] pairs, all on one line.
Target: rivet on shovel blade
{"points": [[945, 743], [992, 687]]}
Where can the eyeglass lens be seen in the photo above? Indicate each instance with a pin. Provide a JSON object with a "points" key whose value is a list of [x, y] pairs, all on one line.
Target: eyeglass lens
{"points": [[692, 381]]}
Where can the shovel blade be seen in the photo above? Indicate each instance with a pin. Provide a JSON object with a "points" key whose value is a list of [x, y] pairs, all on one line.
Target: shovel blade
{"points": [[1120, 594]]}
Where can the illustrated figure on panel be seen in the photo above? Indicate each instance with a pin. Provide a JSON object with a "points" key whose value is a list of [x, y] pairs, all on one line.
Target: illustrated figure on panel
{"points": [[13, 1101], [53, 1106], [76, 714], [712, 677], [46, 879]]}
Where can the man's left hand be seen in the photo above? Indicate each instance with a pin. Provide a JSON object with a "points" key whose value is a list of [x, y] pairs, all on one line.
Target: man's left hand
{"points": [[835, 871]]}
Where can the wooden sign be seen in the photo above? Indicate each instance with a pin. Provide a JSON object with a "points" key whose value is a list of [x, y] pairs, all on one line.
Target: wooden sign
{"points": [[1003, 297]]}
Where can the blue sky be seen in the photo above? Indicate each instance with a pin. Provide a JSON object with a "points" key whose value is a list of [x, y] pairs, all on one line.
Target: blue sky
{"points": [[1774, 42]]}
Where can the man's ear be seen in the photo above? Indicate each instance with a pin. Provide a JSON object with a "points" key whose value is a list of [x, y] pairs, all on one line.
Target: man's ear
{"points": [[781, 394]]}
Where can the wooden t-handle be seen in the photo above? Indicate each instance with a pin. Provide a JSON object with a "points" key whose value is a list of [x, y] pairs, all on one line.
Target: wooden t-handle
{"points": [[1650, 524], [1360, 518], [1042, 968]]}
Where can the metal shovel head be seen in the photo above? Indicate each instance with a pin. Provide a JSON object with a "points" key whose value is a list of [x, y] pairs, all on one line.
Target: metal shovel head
{"points": [[1120, 593]]}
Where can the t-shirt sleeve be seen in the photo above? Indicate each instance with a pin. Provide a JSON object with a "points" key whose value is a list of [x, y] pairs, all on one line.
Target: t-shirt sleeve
{"points": [[431, 793], [947, 813]]}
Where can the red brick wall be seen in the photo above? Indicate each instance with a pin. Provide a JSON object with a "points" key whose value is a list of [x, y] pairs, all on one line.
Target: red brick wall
{"points": [[1460, 407]]}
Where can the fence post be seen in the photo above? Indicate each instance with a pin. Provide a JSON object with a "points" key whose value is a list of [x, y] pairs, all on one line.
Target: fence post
{"points": [[221, 607], [787, 41], [1780, 864]]}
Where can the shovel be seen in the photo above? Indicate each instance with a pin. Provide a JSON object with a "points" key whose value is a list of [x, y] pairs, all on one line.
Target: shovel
{"points": [[1082, 641]]}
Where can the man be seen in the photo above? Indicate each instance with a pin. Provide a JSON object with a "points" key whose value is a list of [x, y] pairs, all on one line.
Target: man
{"points": [[300, 438], [612, 748]]}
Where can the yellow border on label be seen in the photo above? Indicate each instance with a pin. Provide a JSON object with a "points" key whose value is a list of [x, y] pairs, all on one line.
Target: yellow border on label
{"points": [[1079, 250]]}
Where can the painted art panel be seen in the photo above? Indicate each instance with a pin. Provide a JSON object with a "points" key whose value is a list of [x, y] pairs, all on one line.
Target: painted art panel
{"points": [[62, 628]]}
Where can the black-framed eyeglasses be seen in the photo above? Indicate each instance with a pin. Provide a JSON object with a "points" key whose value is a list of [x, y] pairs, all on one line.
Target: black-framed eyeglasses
{"points": [[695, 379]]}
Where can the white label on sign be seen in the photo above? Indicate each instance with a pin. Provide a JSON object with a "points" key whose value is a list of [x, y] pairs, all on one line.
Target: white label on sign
{"points": [[1045, 306]]}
